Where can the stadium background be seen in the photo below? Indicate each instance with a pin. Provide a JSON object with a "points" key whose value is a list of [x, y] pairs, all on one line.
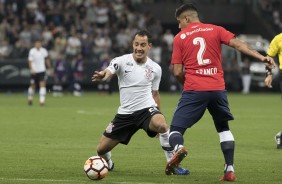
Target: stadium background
{"points": [[102, 29]]}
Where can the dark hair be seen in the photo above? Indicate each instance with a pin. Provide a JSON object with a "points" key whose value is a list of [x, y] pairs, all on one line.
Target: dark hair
{"points": [[185, 7], [144, 33]]}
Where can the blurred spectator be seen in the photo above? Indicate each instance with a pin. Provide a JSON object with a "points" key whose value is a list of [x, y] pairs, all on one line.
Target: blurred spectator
{"points": [[101, 12], [60, 75], [232, 75], [123, 41], [104, 86], [5, 49], [73, 46], [168, 39], [78, 74], [246, 76], [25, 35], [47, 37], [102, 43]]}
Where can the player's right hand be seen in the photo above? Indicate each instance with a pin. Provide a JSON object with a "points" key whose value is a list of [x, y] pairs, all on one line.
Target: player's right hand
{"points": [[98, 75], [269, 62]]}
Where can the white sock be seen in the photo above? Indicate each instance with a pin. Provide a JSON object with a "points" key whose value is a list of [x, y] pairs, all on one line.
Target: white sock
{"points": [[165, 145], [177, 147], [229, 168], [30, 93], [42, 93], [108, 157]]}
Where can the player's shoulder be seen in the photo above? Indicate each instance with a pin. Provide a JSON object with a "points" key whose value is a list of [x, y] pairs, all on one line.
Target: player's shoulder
{"points": [[278, 37], [125, 57], [32, 49], [153, 64]]}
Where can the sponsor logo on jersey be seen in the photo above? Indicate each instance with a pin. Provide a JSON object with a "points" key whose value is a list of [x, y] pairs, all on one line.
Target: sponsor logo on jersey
{"points": [[127, 71], [199, 30], [182, 36], [129, 64]]}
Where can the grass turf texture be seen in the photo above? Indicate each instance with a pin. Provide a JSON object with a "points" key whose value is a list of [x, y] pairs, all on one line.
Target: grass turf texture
{"points": [[50, 144]]}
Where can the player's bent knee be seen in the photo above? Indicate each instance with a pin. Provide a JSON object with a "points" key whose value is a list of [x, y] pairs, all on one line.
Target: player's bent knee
{"points": [[162, 127]]}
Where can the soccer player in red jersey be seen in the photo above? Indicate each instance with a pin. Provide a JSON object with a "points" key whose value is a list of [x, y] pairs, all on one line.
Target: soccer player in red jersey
{"points": [[197, 65]]}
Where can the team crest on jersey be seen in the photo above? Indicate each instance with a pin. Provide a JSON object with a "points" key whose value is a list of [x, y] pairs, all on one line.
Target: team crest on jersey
{"points": [[110, 127], [149, 72]]}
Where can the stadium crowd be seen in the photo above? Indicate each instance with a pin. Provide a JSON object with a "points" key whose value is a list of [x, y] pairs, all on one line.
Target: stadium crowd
{"points": [[89, 27], [88, 30], [272, 11]]}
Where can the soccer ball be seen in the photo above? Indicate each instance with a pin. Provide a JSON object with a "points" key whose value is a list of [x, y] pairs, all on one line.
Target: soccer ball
{"points": [[96, 168]]}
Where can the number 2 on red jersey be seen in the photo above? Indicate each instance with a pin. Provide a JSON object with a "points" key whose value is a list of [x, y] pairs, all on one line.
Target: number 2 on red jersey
{"points": [[201, 41]]}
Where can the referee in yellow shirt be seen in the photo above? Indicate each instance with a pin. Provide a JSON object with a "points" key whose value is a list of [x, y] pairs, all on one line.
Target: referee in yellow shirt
{"points": [[275, 48]]}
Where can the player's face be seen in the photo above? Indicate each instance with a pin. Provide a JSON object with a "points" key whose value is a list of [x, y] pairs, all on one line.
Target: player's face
{"points": [[38, 44], [141, 47]]}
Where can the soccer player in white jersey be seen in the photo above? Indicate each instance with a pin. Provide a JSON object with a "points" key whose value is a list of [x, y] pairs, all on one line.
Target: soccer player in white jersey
{"points": [[138, 78], [37, 61]]}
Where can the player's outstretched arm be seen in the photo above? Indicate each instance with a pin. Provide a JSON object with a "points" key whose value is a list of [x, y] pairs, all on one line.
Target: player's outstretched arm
{"points": [[101, 75], [157, 98], [248, 50]]}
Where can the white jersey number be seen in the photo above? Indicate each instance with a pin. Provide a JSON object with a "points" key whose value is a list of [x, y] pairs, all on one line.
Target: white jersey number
{"points": [[201, 41]]}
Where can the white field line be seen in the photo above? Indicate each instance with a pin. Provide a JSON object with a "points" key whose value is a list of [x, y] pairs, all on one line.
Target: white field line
{"points": [[88, 112], [58, 181]]}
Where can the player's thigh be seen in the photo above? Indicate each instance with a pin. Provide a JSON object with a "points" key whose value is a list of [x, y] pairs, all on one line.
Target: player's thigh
{"points": [[190, 109], [158, 123], [219, 108], [106, 144], [33, 80], [42, 79]]}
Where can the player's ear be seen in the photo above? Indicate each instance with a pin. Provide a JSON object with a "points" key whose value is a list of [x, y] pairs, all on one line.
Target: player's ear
{"points": [[187, 18]]}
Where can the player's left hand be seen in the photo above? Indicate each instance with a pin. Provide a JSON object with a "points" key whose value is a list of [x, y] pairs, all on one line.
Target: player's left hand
{"points": [[268, 81]]}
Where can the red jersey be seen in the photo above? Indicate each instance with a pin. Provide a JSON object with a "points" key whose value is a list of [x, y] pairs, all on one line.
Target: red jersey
{"points": [[198, 48]]}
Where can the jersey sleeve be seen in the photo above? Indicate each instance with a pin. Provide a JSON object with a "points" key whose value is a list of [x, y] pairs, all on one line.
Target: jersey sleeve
{"points": [[225, 36], [176, 53], [30, 55], [157, 79], [273, 48], [114, 66]]}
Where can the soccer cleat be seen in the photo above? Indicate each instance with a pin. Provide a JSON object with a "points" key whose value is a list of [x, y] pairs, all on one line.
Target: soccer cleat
{"points": [[112, 168], [29, 102], [175, 161], [181, 171], [229, 176]]}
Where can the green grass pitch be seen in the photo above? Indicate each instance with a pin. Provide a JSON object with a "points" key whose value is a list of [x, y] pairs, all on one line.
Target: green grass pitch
{"points": [[50, 144]]}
